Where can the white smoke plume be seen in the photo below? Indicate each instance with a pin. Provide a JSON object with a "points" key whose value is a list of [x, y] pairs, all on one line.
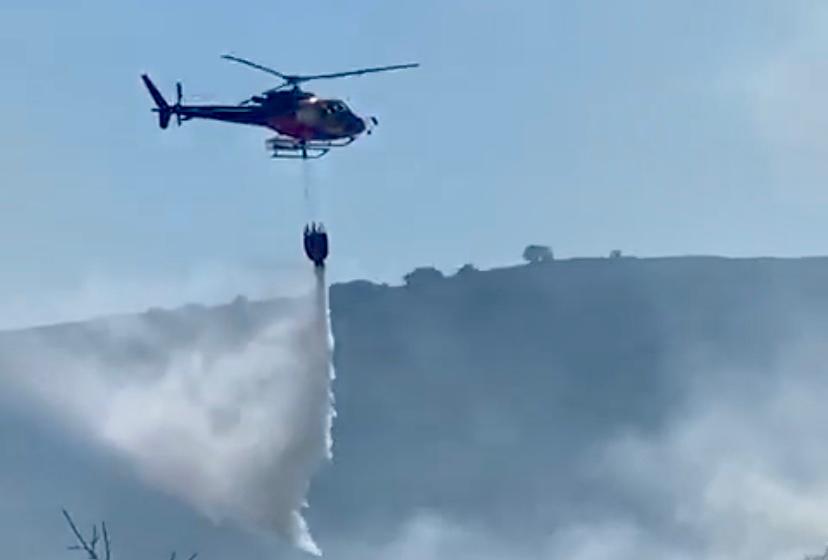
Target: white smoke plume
{"points": [[235, 427], [736, 471]]}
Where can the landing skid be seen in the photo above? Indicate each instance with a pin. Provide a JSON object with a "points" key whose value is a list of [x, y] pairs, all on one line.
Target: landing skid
{"points": [[290, 148]]}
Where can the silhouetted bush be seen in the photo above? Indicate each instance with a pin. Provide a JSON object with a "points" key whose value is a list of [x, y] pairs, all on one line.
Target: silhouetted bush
{"points": [[422, 276], [466, 269], [537, 253]]}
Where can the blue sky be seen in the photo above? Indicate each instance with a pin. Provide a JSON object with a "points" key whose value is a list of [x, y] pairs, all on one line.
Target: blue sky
{"points": [[655, 128]]}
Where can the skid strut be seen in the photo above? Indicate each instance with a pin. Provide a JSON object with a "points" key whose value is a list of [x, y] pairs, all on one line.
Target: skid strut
{"points": [[292, 148]]}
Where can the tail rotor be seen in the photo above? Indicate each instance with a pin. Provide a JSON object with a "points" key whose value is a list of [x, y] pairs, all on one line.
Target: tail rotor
{"points": [[179, 93], [165, 110]]}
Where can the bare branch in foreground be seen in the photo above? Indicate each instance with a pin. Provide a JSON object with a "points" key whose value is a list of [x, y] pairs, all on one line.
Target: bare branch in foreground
{"points": [[90, 546]]}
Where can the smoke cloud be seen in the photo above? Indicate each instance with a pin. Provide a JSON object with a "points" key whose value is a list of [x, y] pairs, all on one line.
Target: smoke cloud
{"points": [[741, 465], [731, 468], [234, 420]]}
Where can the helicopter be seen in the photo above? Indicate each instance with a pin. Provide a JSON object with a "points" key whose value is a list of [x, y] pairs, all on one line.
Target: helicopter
{"points": [[307, 126]]}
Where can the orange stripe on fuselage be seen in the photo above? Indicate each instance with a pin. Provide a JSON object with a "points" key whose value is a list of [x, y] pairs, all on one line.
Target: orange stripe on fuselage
{"points": [[291, 126]]}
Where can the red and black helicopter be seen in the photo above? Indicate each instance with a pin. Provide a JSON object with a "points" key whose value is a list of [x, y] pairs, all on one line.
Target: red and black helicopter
{"points": [[307, 126]]}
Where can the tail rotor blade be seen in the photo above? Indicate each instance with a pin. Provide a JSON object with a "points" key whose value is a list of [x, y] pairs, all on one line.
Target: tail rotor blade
{"points": [[179, 93]]}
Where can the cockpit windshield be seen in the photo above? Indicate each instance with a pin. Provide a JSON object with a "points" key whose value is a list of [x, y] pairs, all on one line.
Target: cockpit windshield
{"points": [[334, 107]]}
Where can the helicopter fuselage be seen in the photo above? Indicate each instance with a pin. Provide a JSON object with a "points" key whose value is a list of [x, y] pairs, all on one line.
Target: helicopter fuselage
{"points": [[304, 120], [307, 126]]}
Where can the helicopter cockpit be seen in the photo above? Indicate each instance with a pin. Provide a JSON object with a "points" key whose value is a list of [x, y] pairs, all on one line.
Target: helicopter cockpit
{"points": [[333, 106]]}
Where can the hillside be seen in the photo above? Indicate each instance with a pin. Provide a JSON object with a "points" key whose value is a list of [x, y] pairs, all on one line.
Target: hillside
{"points": [[537, 408]]}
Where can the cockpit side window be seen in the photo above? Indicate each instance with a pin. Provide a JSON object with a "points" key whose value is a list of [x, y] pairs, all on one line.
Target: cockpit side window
{"points": [[334, 107], [338, 107]]}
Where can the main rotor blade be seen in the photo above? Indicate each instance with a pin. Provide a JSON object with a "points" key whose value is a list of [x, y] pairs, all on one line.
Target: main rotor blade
{"points": [[256, 66], [355, 72]]}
